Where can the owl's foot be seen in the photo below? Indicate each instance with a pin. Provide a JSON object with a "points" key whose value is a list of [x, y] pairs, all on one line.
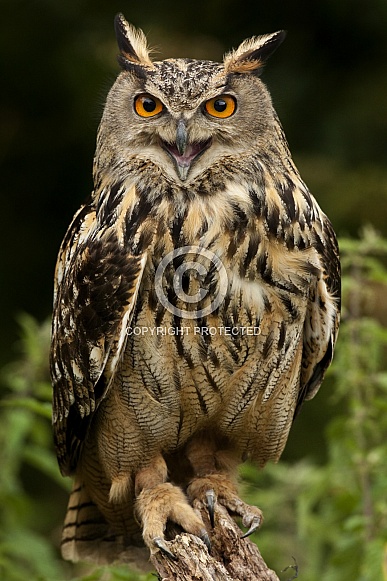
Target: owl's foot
{"points": [[217, 488], [165, 502]]}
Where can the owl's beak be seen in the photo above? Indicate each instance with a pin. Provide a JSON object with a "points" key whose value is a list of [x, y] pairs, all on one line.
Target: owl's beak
{"points": [[181, 137], [182, 152]]}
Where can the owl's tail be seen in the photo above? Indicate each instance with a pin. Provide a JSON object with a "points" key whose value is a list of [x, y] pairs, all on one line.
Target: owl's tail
{"points": [[87, 535]]}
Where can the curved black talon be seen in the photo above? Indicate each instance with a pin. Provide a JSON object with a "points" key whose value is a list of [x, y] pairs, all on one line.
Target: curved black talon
{"points": [[211, 499], [253, 527], [160, 544], [206, 539]]}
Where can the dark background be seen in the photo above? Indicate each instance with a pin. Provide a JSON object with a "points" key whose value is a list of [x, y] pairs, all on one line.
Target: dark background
{"points": [[58, 60]]}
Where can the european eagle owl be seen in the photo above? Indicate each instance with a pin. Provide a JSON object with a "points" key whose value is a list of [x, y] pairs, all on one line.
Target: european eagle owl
{"points": [[196, 301]]}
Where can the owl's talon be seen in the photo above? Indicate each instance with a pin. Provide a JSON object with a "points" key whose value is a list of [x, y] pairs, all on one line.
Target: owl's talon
{"points": [[255, 524], [160, 544], [206, 539], [215, 488], [211, 499]]}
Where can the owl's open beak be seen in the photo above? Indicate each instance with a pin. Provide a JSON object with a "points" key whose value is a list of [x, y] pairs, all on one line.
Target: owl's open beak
{"points": [[182, 152]]}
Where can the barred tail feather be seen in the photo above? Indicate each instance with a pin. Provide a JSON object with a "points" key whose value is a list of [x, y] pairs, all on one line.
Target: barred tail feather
{"points": [[88, 537], [84, 527]]}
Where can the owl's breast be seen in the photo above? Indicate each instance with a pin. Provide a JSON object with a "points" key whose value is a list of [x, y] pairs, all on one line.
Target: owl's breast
{"points": [[186, 369], [216, 333]]}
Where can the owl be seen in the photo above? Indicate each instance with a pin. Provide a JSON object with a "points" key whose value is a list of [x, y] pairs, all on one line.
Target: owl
{"points": [[196, 302]]}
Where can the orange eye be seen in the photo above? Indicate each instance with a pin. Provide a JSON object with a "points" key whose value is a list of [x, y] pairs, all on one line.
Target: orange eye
{"points": [[221, 107], [147, 106]]}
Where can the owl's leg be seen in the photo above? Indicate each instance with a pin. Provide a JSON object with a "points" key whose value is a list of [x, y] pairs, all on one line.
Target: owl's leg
{"points": [[215, 481], [157, 502]]}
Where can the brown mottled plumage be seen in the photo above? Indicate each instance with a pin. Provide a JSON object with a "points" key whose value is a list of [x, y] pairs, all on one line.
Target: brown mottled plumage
{"points": [[190, 155]]}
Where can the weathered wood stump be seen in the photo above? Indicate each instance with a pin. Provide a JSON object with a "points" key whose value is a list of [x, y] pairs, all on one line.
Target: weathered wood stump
{"points": [[232, 558]]}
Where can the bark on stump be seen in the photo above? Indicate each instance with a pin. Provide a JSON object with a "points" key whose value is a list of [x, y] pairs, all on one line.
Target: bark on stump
{"points": [[232, 558]]}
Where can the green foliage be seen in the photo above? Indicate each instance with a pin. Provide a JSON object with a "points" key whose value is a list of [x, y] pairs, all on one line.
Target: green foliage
{"points": [[25, 448], [331, 517]]}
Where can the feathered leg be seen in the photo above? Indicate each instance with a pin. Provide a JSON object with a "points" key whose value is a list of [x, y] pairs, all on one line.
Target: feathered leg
{"points": [[157, 502], [215, 481]]}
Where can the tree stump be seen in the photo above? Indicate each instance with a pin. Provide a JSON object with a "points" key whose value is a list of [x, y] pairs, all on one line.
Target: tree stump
{"points": [[232, 558]]}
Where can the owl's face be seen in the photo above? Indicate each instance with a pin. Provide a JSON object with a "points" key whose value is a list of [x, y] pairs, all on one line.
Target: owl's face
{"points": [[183, 115]]}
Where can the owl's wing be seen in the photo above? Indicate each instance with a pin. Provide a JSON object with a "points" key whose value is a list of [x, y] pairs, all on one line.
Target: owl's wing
{"points": [[322, 317], [96, 286]]}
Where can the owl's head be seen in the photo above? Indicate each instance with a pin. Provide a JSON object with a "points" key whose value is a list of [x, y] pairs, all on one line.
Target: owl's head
{"points": [[183, 115]]}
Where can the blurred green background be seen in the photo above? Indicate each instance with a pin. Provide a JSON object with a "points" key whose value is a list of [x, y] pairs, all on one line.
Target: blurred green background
{"points": [[58, 59]]}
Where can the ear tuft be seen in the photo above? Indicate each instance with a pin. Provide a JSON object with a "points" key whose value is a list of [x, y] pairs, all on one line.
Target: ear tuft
{"points": [[253, 53], [132, 44]]}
